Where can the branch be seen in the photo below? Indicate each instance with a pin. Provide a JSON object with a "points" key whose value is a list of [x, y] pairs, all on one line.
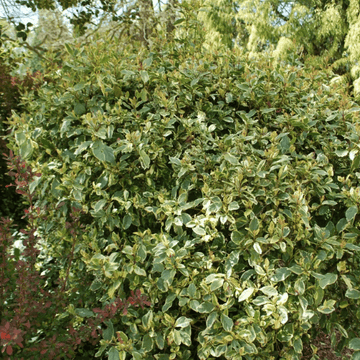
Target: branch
{"points": [[96, 29], [280, 15], [35, 49]]}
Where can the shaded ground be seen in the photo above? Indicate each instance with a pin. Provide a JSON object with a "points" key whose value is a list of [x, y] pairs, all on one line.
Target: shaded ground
{"points": [[325, 351]]}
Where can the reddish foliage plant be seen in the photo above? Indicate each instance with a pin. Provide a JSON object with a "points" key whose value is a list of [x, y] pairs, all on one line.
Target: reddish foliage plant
{"points": [[25, 307]]}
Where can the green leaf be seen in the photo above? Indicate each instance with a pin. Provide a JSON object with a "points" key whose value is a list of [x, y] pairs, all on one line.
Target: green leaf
{"points": [[103, 152], [20, 137], [191, 290], [298, 346], [127, 72], [341, 153], [96, 285], [182, 322], [147, 62], [285, 144], [327, 307], [139, 271], [246, 294], [286, 232], [194, 304], [194, 82], [234, 206], [299, 286], [261, 300], [216, 284], [352, 247], [127, 220], [354, 344], [163, 357], [236, 237], [113, 288], [177, 337], [144, 159], [199, 231], [292, 77], [231, 159], [99, 205], [147, 343], [340, 226], [259, 270], [168, 275], [342, 330], [269, 290], [20, 27], [79, 86], [254, 224], [179, 21], [355, 355], [303, 302], [257, 248], [147, 320], [79, 109], [327, 279], [109, 332], [281, 274], [243, 86], [69, 49], [229, 98], [84, 312], [168, 302], [211, 319], [205, 307], [351, 213], [352, 294], [113, 354], [226, 322], [33, 185], [329, 202], [26, 149], [83, 146], [160, 340], [296, 269], [101, 350], [175, 161], [144, 76], [355, 163], [267, 110]]}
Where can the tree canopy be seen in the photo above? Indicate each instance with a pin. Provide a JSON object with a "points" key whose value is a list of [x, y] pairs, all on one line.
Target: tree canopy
{"points": [[325, 32], [322, 32]]}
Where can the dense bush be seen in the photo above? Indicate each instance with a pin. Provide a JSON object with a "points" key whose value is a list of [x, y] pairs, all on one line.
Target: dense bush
{"points": [[11, 88], [223, 188], [11, 203]]}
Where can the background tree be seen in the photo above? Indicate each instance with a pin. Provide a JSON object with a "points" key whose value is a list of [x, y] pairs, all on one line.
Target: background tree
{"points": [[317, 30]]}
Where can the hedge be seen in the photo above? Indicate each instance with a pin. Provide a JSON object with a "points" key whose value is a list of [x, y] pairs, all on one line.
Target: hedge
{"points": [[221, 188]]}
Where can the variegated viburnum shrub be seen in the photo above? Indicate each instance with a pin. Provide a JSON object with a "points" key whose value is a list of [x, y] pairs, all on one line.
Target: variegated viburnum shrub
{"points": [[223, 188]]}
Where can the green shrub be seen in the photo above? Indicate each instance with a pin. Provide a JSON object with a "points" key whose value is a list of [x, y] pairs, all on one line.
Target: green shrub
{"points": [[11, 203], [224, 188]]}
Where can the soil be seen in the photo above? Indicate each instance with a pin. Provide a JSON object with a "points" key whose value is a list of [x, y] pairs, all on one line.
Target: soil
{"points": [[325, 350]]}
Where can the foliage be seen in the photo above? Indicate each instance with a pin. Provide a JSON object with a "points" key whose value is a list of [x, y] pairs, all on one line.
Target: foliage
{"points": [[222, 187], [28, 311], [141, 17], [316, 28], [11, 203]]}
